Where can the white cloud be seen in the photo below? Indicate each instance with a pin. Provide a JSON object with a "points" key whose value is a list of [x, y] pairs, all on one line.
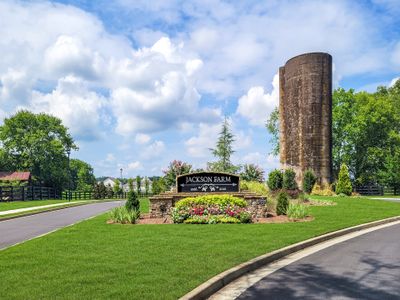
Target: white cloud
{"points": [[199, 145], [142, 138], [257, 105], [267, 162], [394, 80], [134, 166], [243, 140], [14, 84], [154, 150], [157, 90], [72, 102]]}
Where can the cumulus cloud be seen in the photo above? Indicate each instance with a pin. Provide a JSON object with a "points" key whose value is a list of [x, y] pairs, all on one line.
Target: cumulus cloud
{"points": [[158, 90], [75, 104], [199, 145], [394, 80], [257, 105]]}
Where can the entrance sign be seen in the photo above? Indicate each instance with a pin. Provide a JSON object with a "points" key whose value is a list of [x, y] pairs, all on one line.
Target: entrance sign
{"points": [[205, 182]]}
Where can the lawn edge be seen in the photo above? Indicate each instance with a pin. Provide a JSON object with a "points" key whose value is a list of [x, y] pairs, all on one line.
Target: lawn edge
{"points": [[31, 213], [211, 286]]}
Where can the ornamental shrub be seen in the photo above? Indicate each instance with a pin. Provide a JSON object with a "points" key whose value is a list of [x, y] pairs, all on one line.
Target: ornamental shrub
{"points": [[343, 185], [282, 204], [275, 180], [324, 190], [123, 215], [289, 180], [133, 202], [255, 187], [297, 211], [309, 180]]}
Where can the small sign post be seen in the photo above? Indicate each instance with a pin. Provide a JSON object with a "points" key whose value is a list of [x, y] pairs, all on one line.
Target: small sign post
{"points": [[207, 182]]}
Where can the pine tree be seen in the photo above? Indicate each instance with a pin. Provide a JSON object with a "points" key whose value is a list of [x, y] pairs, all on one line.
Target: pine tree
{"points": [[223, 151]]}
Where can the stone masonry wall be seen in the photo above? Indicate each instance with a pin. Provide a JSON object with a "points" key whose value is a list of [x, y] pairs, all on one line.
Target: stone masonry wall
{"points": [[160, 205]]}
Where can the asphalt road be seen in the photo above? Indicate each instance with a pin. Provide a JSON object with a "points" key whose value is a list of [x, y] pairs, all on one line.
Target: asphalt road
{"points": [[24, 228], [366, 267]]}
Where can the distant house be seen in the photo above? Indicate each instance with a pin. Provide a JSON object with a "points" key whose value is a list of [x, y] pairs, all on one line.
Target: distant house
{"points": [[110, 182], [20, 177]]}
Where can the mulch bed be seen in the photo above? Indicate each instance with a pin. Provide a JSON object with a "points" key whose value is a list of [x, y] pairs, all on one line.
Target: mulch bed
{"points": [[145, 219]]}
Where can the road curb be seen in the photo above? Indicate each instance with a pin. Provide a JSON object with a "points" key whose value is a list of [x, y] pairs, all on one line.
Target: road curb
{"points": [[214, 284], [49, 210]]}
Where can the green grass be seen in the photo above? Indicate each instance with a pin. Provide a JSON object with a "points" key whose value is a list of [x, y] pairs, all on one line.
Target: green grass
{"points": [[25, 204], [144, 205], [93, 260]]}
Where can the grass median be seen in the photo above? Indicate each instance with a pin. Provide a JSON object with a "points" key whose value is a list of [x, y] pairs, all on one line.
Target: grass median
{"points": [[100, 261]]}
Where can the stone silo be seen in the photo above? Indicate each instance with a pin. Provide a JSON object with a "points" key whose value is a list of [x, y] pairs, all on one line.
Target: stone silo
{"points": [[305, 114]]}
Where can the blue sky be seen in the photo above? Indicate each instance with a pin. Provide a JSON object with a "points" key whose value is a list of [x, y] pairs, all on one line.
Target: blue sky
{"points": [[141, 83]]}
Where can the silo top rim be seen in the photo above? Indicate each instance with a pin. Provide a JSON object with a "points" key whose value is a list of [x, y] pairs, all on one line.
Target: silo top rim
{"points": [[309, 53]]}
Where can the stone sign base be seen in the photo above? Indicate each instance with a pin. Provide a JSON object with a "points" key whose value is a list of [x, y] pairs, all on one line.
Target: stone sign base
{"points": [[160, 205]]}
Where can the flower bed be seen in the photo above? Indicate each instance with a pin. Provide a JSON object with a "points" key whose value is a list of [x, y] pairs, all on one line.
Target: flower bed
{"points": [[211, 209]]}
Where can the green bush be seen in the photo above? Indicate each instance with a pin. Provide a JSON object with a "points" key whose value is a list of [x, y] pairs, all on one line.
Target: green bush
{"points": [[289, 180], [255, 187], [297, 211], [282, 203], [343, 185], [275, 180], [309, 180], [245, 217], [133, 202], [123, 215], [220, 200]]}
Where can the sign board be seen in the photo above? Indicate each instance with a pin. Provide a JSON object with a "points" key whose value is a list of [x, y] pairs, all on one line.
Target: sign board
{"points": [[206, 182]]}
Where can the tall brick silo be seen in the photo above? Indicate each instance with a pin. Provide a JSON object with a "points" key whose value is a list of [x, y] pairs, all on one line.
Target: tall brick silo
{"points": [[305, 114]]}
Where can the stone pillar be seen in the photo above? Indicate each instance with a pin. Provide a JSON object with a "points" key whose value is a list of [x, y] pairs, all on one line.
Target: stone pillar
{"points": [[305, 114]]}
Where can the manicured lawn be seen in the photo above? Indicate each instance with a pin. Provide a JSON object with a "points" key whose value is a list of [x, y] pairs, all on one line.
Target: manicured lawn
{"points": [[24, 204], [4, 206], [144, 205], [93, 260]]}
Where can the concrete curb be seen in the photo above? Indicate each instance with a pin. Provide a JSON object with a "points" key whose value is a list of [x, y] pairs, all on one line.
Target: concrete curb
{"points": [[50, 209], [214, 284]]}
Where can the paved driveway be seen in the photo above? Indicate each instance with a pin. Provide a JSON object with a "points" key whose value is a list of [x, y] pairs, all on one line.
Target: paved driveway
{"points": [[21, 229], [366, 267]]}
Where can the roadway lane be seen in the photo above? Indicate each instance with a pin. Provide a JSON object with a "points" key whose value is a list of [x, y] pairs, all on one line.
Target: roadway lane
{"points": [[366, 267], [24, 228]]}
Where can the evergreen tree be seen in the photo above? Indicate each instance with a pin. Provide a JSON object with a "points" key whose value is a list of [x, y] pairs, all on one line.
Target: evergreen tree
{"points": [[289, 180], [309, 180], [133, 202], [282, 204], [223, 151], [275, 179], [343, 185]]}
